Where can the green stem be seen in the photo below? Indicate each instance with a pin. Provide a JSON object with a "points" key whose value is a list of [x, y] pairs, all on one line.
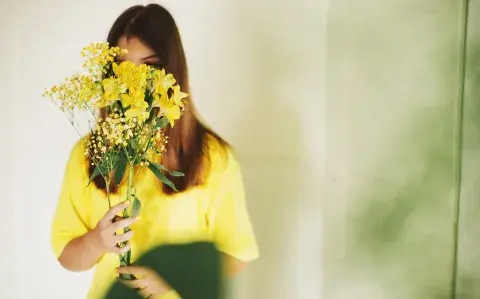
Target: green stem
{"points": [[147, 143], [129, 187], [125, 259], [108, 194]]}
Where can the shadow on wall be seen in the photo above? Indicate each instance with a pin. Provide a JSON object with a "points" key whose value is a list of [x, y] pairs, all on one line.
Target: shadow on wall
{"points": [[267, 139]]}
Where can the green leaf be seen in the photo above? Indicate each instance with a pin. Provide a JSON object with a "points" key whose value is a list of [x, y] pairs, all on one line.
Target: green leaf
{"points": [[176, 173], [159, 166], [96, 172], [120, 171], [136, 206], [126, 276], [162, 122], [128, 257], [133, 144], [172, 173], [149, 99], [160, 175]]}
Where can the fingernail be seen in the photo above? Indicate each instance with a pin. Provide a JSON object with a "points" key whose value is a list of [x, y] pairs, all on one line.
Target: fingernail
{"points": [[127, 202]]}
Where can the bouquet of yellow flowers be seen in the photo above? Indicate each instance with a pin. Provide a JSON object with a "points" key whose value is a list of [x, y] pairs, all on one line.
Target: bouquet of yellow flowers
{"points": [[131, 105]]}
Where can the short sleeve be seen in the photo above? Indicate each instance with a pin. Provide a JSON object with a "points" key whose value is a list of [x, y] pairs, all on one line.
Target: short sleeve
{"points": [[228, 218], [70, 218]]}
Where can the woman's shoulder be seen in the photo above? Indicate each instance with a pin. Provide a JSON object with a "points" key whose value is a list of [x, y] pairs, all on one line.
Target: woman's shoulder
{"points": [[77, 154], [221, 155]]}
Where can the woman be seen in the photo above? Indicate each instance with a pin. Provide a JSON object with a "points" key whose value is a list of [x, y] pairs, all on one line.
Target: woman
{"points": [[210, 204]]}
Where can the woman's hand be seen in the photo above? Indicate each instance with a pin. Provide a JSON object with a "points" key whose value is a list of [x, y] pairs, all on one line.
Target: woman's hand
{"points": [[82, 253], [104, 238], [150, 285]]}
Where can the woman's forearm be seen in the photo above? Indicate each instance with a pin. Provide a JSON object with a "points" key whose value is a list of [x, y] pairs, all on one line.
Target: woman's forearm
{"points": [[80, 254], [232, 266]]}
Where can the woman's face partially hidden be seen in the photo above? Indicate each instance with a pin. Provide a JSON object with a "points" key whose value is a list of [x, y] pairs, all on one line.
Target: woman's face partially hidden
{"points": [[138, 52]]}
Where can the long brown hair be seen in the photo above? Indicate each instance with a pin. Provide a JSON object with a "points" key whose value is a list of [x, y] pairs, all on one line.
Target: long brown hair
{"points": [[187, 148]]}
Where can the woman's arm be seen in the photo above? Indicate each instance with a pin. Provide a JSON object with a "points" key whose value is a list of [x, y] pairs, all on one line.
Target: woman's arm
{"points": [[228, 219], [232, 266], [80, 254]]}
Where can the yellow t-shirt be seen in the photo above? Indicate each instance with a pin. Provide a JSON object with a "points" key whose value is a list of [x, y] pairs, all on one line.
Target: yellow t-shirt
{"points": [[215, 212]]}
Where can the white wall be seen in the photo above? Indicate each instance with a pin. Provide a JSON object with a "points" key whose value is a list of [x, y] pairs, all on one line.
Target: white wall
{"points": [[257, 71]]}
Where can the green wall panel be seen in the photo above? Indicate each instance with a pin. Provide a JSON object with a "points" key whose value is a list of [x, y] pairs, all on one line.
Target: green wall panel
{"points": [[468, 270], [395, 83]]}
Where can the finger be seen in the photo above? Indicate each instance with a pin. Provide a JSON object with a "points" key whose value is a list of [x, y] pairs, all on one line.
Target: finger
{"points": [[120, 250], [117, 218], [138, 283], [122, 224], [110, 215], [135, 270], [123, 237], [145, 293]]}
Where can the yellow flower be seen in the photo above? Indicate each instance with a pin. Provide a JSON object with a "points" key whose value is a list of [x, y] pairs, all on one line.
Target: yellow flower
{"points": [[134, 79], [162, 82], [168, 108], [130, 74], [138, 110], [77, 92], [98, 56], [113, 89], [127, 100], [142, 72], [125, 73], [178, 96], [108, 82], [103, 102], [132, 98]]}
